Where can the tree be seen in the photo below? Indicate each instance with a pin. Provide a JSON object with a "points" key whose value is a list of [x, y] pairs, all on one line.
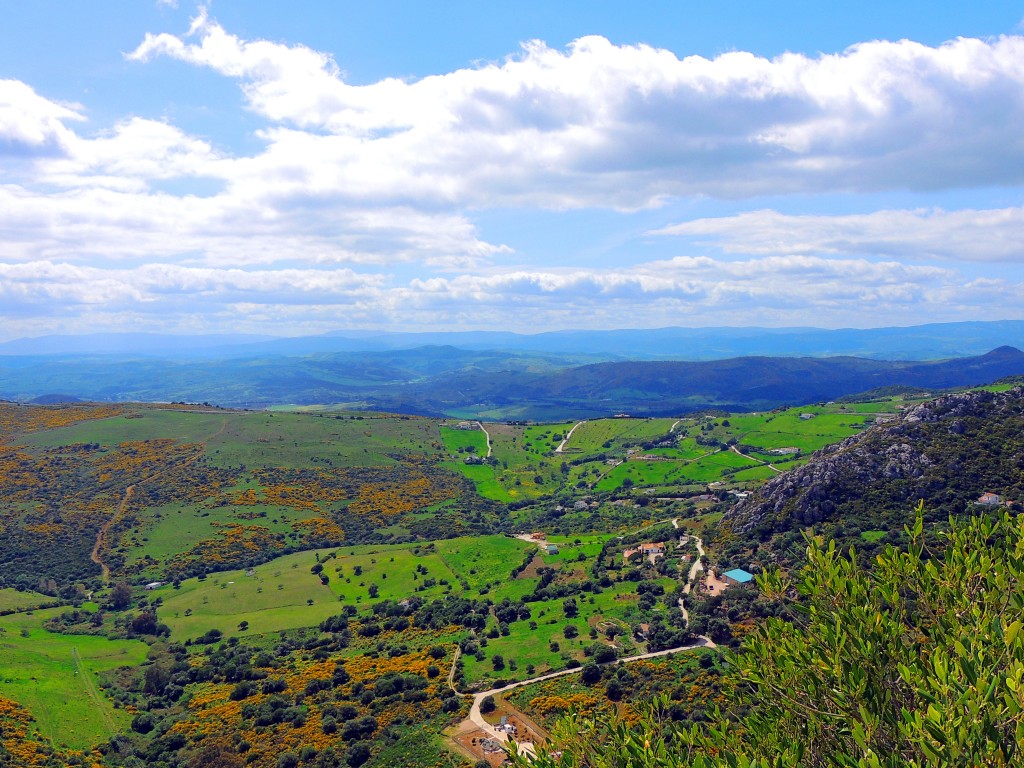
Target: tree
{"points": [[487, 705], [590, 674], [916, 662], [120, 596]]}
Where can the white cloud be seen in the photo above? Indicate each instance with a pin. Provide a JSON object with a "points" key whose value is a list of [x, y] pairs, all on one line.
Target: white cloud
{"points": [[689, 290], [965, 235], [102, 224], [626, 126], [31, 125], [358, 207]]}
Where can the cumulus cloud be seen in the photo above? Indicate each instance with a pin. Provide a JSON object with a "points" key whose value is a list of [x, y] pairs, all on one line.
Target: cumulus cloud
{"points": [[100, 223], [626, 126], [966, 235], [31, 125], [686, 290], [359, 204]]}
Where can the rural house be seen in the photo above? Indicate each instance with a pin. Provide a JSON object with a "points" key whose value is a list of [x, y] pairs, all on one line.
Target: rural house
{"points": [[737, 576]]}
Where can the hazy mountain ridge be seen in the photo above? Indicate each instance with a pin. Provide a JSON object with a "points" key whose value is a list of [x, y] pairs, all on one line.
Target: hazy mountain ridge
{"points": [[446, 380], [923, 342]]}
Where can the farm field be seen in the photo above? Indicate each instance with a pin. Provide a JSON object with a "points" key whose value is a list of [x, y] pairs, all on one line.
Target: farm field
{"points": [[469, 441], [13, 600], [602, 434], [285, 594], [55, 676]]}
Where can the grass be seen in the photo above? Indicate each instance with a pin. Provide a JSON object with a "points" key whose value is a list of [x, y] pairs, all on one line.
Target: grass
{"points": [[13, 600], [592, 436], [276, 595], [257, 439], [142, 423], [165, 531], [533, 646], [872, 536], [483, 560], [274, 598], [459, 440], [302, 439], [55, 677]]}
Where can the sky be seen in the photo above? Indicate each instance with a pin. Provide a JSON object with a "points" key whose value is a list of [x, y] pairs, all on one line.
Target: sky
{"points": [[308, 167]]}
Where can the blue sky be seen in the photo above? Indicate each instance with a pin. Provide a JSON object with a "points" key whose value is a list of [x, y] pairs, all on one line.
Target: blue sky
{"points": [[297, 168]]}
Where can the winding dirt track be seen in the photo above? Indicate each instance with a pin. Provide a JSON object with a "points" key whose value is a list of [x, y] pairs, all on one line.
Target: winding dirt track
{"points": [[561, 445], [101, 535], [487, 435]]}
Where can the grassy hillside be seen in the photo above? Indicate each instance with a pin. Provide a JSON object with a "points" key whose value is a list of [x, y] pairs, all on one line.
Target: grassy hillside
{"points": [[319, 569]]}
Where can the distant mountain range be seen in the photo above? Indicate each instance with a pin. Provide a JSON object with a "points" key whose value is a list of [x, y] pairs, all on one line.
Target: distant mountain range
{"points": [[486, 383], [922, 342]]}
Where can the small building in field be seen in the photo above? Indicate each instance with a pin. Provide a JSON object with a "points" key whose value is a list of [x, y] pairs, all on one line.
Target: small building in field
{"points": [[653, 548], [154, 585], [990, 499], [537, 535], [551, 549], [806, 416], [737, 576]]}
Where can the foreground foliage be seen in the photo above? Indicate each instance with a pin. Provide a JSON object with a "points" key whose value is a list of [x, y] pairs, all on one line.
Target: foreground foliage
{"points": [[917, 662]]}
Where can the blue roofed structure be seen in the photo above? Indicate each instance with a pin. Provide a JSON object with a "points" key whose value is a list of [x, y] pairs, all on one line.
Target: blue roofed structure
{"points": [[737, 576]]}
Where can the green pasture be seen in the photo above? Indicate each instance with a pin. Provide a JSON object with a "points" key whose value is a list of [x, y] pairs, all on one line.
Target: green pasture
{"points": [[165, 531], [303, 439], [569, 551], [277, 594], [483, 560], [495, 483], [275, 597], [706, 469], [55, 677], [786, 429], [686, 449], [541, 439], [13, 600], [533, 646], [457, 441], [263, 438], [592, 436], [142, 423], [754, 474]]}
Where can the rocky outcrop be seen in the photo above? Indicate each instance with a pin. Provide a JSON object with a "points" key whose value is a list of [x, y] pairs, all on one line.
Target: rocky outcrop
{"points": [[945, 452]]}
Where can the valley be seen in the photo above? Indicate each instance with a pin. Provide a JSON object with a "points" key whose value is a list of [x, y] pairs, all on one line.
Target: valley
{"points": [[196, 583]]}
